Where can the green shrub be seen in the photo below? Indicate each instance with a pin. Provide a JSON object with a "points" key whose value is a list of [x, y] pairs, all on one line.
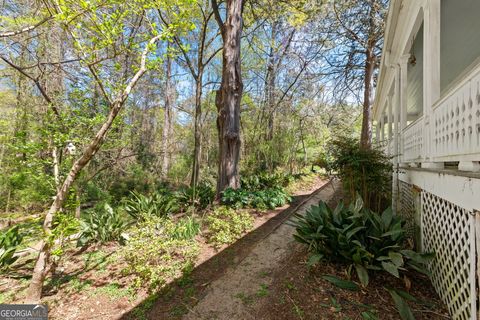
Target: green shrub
{"points": [[367, 172], [236, 198], [102, 226], [63, 226], [132, 178], [9, 242], [358, 236], [157, 204], [155, 254], [225, 225], [265, 180], [263, 199], [200, 197], [186, 228]]}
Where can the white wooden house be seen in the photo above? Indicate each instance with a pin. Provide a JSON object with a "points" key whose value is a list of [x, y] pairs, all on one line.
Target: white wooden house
{"points": [[427, 114]]}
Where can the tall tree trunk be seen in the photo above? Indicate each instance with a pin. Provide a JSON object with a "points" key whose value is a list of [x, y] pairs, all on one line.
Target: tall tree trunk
{"points": [[270, 84], [370, 65], [197, 152], [167, 118], [366, 134], [229, 96]]}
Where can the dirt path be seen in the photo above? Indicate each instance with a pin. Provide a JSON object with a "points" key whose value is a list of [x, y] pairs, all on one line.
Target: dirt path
{"points": [[232, 296]]}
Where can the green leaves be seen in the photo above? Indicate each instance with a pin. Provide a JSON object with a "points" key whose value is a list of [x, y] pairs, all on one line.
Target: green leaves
{"points": [[390, 268], [364, 171], [9, 242], [226, 225], [402, 306], [156, 204], [263, 199], [362, 274], [314, 259], [396, 258], [357, 236], [102, 226], [344, 284], [186, 228], [154, 253]]}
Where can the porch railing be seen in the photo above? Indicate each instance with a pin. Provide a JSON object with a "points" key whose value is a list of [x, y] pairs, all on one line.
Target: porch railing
{"points": [[453, 131], [413, 141], [456, 121]]}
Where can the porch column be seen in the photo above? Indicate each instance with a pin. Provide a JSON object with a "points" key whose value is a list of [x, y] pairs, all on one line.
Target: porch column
{"points": [[396, 116], [382, 126], [402, 100], [390, 115], [431, 76], [389, 120]]}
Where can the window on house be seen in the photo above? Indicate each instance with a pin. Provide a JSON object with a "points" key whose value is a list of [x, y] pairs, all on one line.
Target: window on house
{"points": [[415, 78], [459, 39]]}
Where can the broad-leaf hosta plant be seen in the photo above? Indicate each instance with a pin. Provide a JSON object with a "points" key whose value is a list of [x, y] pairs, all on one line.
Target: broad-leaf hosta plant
{"points": [[366, 240], [263, 199]]}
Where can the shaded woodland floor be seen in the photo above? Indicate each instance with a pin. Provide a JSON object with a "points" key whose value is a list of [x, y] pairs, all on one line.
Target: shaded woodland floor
{"points": [[263, 275]]}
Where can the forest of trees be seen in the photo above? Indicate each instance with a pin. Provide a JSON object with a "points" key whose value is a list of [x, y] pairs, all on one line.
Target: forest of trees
{"points": [[99, 98]]}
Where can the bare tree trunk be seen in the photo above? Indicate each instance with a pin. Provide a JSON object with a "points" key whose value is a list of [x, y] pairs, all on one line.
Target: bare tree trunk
{"points": [[271, 78], [366, 134], [167, 119], [197, 152], [229, 96], [370, 65]]}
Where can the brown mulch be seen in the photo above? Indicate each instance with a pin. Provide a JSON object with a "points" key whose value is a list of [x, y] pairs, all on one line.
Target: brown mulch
{"points": [[300, 292]]}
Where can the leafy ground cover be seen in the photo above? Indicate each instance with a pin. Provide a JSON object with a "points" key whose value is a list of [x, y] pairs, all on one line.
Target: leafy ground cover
{"points": [[108, 278]]}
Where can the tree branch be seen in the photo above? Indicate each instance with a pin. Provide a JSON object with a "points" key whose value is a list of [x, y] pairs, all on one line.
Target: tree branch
{"points": [[218, 18], [23, 30]]}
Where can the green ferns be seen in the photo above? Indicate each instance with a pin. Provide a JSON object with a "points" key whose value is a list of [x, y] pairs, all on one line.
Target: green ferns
{"points": [[364, 239]]}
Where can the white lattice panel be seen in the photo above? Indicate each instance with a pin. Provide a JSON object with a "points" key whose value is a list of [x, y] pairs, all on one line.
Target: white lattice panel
{"points": [[413, 141], [456, 121], [449, 231], [407, 207]]}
